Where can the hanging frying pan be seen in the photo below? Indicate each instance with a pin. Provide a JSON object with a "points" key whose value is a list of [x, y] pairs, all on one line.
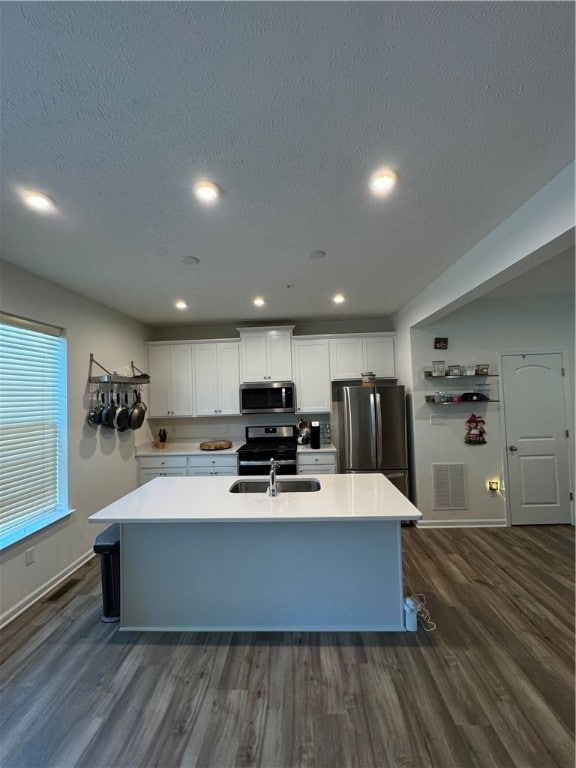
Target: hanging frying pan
{"points": [[108, 412], [99, 409], [137, 412], [122, 417]]}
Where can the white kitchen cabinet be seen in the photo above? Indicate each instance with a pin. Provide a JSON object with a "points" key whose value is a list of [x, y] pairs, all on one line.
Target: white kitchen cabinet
{"points": [[170, 368], [316, 463], [312, 375], [216, 379], [212, 464], [353, 354], [266, 353], [161, 466]]}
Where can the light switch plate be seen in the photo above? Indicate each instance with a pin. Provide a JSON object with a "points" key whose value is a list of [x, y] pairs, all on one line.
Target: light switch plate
{"points": [[436, 420]]}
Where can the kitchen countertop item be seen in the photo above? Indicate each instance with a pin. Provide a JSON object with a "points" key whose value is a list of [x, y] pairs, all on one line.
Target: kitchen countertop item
{"points": [[215, 445]]}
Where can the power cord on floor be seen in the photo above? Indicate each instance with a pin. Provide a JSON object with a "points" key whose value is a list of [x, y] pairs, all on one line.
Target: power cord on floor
{"points": [[423, 614]]}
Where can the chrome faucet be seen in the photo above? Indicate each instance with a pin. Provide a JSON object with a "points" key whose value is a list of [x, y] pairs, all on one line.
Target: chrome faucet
{"points": [[272, 490]]}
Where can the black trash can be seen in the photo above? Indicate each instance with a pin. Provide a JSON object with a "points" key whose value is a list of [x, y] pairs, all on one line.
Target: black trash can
{"points": [[107, 545]]}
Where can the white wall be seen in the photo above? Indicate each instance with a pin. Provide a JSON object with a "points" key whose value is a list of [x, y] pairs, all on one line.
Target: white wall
{"points": [[542, 228], [101, 462], [478, 333], [301, 328]]}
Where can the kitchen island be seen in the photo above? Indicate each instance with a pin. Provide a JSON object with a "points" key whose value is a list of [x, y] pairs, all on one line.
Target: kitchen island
{"points": [[195, 556]]}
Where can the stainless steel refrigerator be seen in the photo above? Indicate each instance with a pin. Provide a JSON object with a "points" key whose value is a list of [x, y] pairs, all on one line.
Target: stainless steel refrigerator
{"points": [[372, 432]]}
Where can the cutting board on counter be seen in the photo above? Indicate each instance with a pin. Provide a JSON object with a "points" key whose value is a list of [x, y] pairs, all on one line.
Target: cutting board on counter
{"points": [[215, 445]]}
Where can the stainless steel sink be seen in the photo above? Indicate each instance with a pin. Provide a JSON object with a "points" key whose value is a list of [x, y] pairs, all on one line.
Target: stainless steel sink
{"points": [[282, 486]]}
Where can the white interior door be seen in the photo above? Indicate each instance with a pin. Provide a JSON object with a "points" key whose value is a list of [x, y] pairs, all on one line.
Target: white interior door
{"points": [[538, 486]]}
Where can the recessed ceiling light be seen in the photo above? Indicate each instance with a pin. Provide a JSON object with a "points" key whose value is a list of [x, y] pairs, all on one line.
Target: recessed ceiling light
{"points": [[39, 202], [190, 260], [206, 191], [316, 255], [382, 181], [259, 301], [338, 299], [181, 304]]}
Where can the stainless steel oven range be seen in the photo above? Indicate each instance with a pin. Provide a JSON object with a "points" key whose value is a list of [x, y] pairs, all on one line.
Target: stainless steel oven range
{"points": [[265, 443]]}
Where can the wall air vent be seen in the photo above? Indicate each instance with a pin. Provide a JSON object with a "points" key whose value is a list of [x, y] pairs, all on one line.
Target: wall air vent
{"points": [[449, 484]]}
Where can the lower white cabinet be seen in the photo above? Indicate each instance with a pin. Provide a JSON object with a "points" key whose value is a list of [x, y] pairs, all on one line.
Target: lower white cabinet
{"points": [[165, 466], [226, 464], [311, 463], [180, 466]]}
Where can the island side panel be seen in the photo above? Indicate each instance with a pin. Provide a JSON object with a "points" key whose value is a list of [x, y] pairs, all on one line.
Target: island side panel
{"points": [[271, 576]]}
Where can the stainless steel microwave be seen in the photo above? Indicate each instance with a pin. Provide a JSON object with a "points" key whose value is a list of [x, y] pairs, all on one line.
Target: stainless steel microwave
{"points": [[268, 397]]}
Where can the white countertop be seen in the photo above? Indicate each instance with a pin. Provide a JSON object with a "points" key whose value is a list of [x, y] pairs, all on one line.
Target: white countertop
{"points": [[323, 449], [183, 448], [207, 499], [192, 447]]}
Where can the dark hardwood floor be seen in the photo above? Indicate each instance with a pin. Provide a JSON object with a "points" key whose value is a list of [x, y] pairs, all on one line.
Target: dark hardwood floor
{"points": [[493, 685]]}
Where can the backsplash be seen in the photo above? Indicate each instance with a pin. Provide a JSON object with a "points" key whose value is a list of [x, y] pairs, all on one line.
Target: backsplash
{"points": [[234, 427]]}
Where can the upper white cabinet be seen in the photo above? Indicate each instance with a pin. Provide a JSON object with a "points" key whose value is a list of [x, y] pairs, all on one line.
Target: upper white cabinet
{"points": [[216, 379], [312, 375], [170, 368], [266, 353], [353, 354]]}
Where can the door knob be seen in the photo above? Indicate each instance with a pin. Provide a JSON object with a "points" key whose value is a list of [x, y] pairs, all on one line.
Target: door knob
{"points": [[512, 448]]}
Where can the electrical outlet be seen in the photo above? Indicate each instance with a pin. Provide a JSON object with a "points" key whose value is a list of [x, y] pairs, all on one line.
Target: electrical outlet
{"points": [[29, 556], [436, 420]]}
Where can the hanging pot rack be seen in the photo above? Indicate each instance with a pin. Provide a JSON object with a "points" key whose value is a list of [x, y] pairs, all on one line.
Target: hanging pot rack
{"points": [[138, 376]]}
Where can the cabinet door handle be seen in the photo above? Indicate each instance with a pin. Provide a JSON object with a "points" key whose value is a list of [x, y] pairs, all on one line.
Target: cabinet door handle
{"points": [[512, 448]]}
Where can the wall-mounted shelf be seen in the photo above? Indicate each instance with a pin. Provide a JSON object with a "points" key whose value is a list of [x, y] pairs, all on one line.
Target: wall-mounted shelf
{"points": [[478, 386], [431, 401], [138, 377], [429, 375]]}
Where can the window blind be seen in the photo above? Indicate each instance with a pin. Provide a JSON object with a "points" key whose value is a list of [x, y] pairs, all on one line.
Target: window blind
{"points": [[33, 428]]}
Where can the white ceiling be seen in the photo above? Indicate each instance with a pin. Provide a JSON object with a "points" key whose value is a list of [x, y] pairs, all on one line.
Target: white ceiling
{"points": [[116, 109]]}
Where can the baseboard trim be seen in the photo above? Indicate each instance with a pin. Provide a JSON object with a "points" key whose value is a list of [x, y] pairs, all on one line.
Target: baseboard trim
{"points": [[498, 523], [38, 594]]}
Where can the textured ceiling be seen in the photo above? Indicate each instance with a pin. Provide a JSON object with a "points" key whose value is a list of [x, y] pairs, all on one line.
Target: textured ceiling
{"points": [[115, 109]]}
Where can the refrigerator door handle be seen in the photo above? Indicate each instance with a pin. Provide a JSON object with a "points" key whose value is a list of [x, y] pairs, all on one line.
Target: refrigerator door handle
{"points": [[378, 430], [373, 431]]}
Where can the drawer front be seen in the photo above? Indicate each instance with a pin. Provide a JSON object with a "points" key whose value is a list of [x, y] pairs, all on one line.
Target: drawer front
{"points": [[228, 460], [163, 462], [316, 459], [316, 469], [149, 474], [206, 471]]}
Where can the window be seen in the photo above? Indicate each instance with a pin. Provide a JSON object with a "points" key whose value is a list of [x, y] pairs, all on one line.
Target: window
{"points": [[33, 428]]}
